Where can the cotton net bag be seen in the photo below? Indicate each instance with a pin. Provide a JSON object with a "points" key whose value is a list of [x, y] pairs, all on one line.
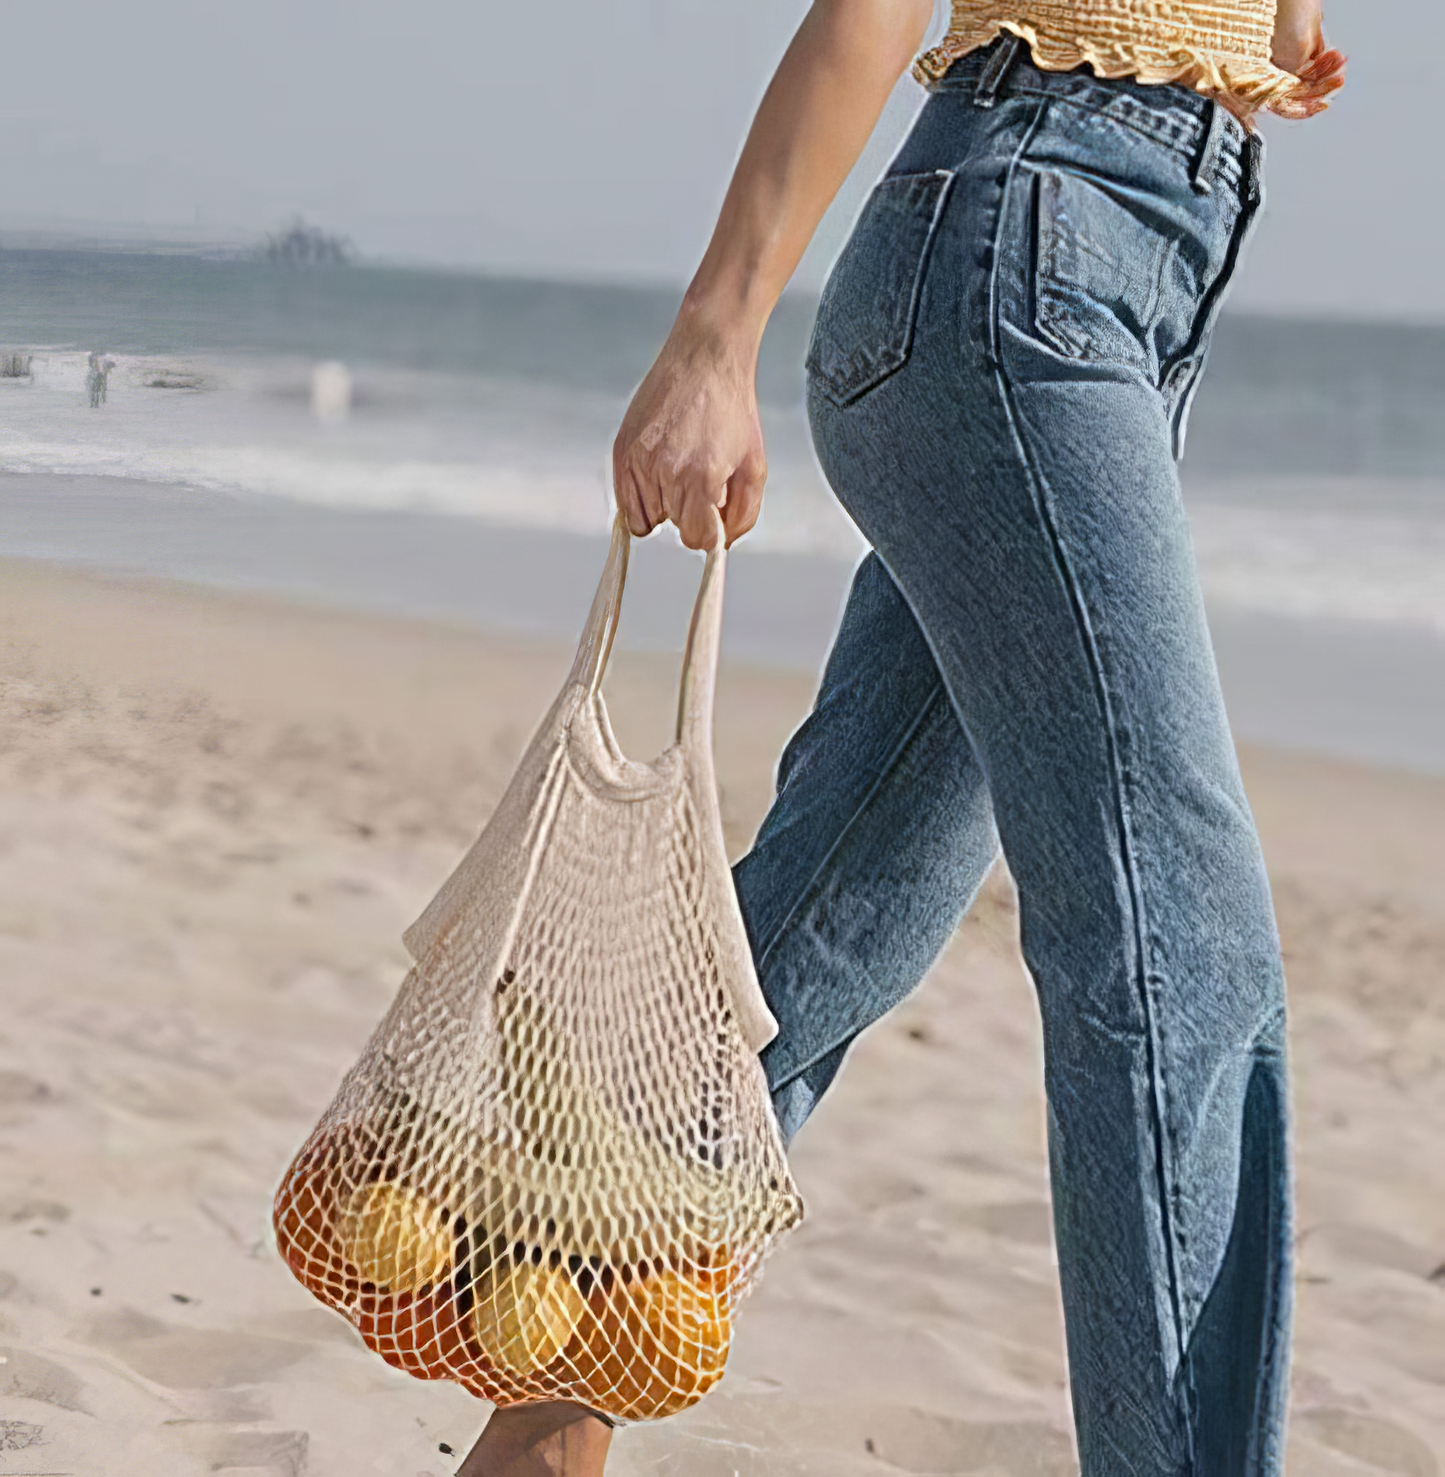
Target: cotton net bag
{"points": [[554, 1171]]}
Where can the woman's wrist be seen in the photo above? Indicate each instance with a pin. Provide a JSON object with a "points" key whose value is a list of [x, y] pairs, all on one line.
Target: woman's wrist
{"points": [[724, 326]]}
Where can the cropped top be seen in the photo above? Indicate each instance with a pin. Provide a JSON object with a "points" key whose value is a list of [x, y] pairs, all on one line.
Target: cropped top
{"points": [[1219, 47]]}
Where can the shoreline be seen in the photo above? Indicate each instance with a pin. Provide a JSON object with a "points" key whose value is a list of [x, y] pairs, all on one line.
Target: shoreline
{"points": [[218, 810], [1357, 690]]}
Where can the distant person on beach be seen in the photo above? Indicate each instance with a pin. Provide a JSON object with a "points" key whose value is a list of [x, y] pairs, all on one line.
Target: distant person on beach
{"points": [[97, 379], [998, 386]]}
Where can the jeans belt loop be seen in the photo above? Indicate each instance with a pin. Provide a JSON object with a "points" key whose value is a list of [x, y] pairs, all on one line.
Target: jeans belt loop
{"points": [[1207, 165], [995, 74], [1254, 167]]}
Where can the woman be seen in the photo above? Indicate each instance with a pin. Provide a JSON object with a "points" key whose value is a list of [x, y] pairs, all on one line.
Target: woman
{"points": [[998, 385]]}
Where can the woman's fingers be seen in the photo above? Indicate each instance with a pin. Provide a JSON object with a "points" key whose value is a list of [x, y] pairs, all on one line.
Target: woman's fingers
{"points": [[647, 496], [1329, 63], [698, 527], [1324, 75], [650, 488], [629, 501], [1319, 80], [745, 495], [635, 488], [692, 504], [690, 441], [625, 491]]}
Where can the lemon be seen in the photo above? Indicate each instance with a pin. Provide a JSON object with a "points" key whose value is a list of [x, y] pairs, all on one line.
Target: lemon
{"points": [[395, 1238], [523, 1316]]}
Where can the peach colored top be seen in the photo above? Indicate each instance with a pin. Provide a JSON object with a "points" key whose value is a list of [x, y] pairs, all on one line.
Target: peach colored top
{"points": [[1219, 47]]}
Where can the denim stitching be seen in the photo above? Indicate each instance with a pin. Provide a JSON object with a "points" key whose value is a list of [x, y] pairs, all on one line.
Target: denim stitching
{"points": [[806, 891], [1183, 142], [809, 888], [844, 393], [1182, 136], [774, 1088], [1178, 130], [1196, 349], [1122, 810], [1211, 152]]}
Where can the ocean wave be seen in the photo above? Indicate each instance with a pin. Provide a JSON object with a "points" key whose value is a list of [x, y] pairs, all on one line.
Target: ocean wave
{"points": [[528, 496], [1310, 565], [510, 496], [517, 455]]}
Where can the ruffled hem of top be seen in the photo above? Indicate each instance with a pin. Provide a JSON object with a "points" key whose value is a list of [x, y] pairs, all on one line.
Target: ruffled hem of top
{"points": [[1244, 84]]}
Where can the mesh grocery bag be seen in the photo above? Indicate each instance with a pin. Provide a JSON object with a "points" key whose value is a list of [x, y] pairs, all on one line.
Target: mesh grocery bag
{"points": [[555, 1171]]}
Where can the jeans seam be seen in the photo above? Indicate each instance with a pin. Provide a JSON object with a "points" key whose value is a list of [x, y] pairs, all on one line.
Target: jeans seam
{"points": [[1229, 166], [1143, 974], [803, 1068], [1197, 346], [806, 891]]}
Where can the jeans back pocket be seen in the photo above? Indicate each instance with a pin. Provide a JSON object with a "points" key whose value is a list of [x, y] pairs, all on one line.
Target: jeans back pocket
{"points": [[1099, 275], [864, 330]]}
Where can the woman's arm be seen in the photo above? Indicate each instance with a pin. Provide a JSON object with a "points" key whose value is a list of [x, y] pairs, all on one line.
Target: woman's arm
{"points": [[691, 439], [1299, 47]]}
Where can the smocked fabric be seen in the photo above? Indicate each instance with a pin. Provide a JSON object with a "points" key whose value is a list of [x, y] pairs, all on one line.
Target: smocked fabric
{"points": [[1220, 48]]}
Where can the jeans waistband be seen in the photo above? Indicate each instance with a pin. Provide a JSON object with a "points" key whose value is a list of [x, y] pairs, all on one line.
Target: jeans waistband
{"points": [[1203, 131]]}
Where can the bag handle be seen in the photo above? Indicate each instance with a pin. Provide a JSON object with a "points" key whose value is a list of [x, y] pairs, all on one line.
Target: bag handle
{"points": [[595, 647], [700, 658]]}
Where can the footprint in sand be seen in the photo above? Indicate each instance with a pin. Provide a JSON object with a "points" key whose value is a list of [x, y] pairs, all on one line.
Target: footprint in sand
{"points": [[767, 1436], [21, 1208], [19, 1090], [17, 1435], [919, 1441], [20, 1098], [1380, 1445], [189, 1359], [277, 1453], [25, 1376]]}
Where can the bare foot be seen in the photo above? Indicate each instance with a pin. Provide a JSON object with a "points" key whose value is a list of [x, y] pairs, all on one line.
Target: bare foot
{"points": [[557, 1439]]}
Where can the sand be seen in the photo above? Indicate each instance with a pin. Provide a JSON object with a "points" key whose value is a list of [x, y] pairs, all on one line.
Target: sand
{"points": [[217, 814]]}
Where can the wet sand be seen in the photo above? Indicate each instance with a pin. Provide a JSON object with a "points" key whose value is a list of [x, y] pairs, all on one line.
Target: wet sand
{"points": [[217, 814], [1367, 690]]}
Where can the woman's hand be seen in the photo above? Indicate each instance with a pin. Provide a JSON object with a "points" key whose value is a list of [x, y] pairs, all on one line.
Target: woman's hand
{"points": [[691, 440], [1299, 47]]}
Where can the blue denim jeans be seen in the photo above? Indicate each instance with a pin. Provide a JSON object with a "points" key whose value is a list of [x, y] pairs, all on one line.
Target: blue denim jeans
{"points": [[998, 383]]}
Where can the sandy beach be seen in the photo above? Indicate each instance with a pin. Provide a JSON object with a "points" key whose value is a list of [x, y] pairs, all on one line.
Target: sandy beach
{"points": [[218, 813]]}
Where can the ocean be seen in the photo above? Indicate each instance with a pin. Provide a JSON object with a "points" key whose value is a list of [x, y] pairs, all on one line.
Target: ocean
{"points": [[467, 478]]}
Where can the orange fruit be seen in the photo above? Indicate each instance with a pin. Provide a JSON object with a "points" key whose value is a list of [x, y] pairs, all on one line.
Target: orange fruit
{"points": [[305, 1222], [688, 1318], [652, 1345]]}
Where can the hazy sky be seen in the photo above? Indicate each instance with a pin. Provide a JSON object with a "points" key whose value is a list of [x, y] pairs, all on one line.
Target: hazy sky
{"points": [[592, 137]]}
